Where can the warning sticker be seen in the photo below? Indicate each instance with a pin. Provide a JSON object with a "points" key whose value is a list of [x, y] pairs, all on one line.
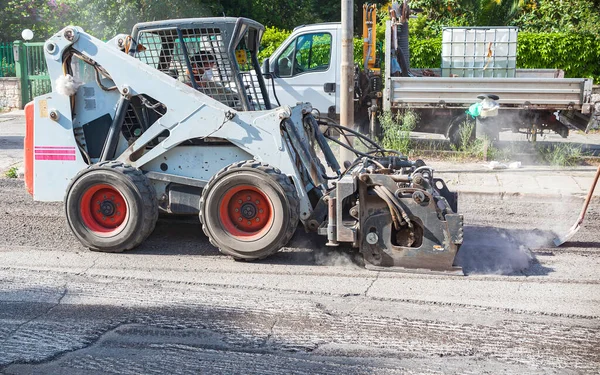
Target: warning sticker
{"points": [[43, 106]]}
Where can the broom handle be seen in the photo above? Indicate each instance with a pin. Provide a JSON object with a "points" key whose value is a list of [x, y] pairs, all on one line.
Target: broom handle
{"points": [[589, 197]]}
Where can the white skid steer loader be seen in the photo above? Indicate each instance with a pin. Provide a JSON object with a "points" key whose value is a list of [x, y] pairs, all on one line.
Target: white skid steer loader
{"points": [[176, 118]]}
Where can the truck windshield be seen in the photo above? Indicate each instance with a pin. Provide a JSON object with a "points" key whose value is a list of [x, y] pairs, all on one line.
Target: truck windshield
{"points": [[308, 52]]}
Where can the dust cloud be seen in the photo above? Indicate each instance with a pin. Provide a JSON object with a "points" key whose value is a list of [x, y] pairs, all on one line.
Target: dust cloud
{"points": [[337, 258], [489, 250], [504, 251], [322, 255]]}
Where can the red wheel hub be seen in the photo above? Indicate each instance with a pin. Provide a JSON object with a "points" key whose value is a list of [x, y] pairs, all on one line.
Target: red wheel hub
{"points": [[246, 212], [103, 209]]}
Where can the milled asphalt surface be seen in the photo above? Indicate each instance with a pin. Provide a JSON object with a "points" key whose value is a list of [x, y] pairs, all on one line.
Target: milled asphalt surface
{"points": [[177, 305]]}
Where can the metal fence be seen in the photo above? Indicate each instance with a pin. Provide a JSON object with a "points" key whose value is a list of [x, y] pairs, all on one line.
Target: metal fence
{"points": [[30, 67], [7, 60]]}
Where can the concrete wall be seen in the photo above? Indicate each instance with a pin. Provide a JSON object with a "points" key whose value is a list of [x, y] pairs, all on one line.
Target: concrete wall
{"points": [[10, 93]]}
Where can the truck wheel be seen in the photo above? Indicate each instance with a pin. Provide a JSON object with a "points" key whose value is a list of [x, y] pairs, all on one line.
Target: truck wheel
{"points": [[111, 207], [249, 210], [454, 133]]}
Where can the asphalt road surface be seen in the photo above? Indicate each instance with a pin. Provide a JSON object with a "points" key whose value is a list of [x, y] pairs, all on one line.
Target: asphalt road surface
{"points": [[12, 131], [176, 305]]}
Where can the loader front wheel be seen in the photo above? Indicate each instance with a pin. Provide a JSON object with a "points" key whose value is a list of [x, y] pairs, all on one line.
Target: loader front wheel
{"points": [[249, 210], [111, 207]]}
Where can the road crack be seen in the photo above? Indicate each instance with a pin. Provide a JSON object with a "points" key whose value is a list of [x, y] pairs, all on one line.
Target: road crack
{"points": [[372, 282], [270, 334], [364, 294], [90, 267]]}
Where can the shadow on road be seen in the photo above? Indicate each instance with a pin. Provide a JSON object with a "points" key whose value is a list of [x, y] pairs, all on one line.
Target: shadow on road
{"points": [[176, 236], [486, 250], [193, 336], [11, 142], [582, 244]]}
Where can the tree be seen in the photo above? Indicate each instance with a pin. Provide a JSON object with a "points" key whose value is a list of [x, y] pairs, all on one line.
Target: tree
{"points": [[468, 12], [581, 16], [41, 16], [101, 18], [282, 14], [107, 18]]}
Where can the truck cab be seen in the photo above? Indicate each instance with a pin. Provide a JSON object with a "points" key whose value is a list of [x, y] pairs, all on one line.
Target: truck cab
{"points": [[305, 68]]}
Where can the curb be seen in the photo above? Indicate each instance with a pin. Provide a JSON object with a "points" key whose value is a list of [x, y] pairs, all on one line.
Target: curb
{"points": [[520, 195], [17, 164], [548, 169], [19, 112]]}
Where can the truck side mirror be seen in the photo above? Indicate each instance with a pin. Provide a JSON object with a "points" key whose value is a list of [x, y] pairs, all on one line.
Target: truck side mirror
{"points": [[266, 67]]}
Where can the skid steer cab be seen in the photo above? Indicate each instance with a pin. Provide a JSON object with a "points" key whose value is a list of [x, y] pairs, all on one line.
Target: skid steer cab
{"points": [[175, 119]]}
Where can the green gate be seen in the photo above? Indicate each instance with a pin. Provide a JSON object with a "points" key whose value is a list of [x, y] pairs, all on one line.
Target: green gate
{"points": [[31, 69], [7, 60]]}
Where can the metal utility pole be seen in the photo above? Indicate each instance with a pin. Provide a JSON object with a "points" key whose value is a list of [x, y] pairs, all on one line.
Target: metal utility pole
{"points": [[347, 74]]}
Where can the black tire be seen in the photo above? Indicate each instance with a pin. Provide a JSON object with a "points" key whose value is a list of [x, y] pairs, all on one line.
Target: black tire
{"points": [[94, 207], [272, 190], [453, 133]]}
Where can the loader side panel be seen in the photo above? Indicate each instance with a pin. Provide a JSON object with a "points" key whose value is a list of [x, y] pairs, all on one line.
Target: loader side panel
{"points": [[199, 162], [56, 156]]}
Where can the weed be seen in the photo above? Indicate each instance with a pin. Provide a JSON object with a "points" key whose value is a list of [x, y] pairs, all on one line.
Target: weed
{"points": [[466, 131], [396, 130], [471, 147], [12, 173], [563, 155]]}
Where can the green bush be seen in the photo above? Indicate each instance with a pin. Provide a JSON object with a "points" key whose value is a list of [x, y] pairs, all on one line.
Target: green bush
{"points": [[7, 69], [471, 147], [272, 38], [425, 53], [577, 54]]}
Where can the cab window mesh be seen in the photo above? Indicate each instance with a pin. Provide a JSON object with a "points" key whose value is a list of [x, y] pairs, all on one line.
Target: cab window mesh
{"points": [[208, 67]]}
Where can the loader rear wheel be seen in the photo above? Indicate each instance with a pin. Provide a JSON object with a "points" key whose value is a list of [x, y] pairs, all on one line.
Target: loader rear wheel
{"points": [[111, 207], [249, 210]]}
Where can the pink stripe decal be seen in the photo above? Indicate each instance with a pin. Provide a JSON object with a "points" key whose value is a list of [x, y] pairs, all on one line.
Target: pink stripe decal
{"points": [[41, 152], [54, 157], [56, 147]]}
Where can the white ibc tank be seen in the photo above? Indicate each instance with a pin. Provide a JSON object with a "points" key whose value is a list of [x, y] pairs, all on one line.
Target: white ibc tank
{"points": [[479, 52]]}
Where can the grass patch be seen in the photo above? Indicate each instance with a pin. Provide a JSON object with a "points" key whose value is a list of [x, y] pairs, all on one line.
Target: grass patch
{"points": [[396, 130], [470, 147], [562, 155], [12, 172], [398, 127]]}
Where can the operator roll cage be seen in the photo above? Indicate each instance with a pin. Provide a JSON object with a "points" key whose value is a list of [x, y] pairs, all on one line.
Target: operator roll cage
{"points": [[232, 43]]}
